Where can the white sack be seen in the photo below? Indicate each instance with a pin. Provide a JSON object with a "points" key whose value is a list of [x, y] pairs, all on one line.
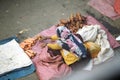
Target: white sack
{"points": [[96, 34], [12, 57]]}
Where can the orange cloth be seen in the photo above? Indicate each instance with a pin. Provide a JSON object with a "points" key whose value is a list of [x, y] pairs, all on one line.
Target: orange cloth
{"points": [[117, 6], [26, 45]]}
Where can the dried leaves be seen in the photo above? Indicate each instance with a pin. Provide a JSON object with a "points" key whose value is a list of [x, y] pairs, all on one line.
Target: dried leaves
{"points": [[74, 22]]}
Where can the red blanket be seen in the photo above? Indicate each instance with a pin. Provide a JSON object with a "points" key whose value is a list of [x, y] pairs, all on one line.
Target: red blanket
{"points": [[49, 67], [52, 67], [105, 7], [117, 6]]}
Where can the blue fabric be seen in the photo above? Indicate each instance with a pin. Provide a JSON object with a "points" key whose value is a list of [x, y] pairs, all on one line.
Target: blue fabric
{"points": [[12, 75], [81, 47], [18, 73], [66, 34], [8, 39]]}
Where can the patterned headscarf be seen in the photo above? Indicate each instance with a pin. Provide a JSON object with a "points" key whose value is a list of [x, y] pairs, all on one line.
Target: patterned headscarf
{"points": [[70, 41]]}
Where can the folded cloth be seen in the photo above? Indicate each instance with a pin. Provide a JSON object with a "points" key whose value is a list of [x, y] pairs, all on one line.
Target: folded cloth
{"points": [[12, 57], [18, 73], [106, 7]]}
